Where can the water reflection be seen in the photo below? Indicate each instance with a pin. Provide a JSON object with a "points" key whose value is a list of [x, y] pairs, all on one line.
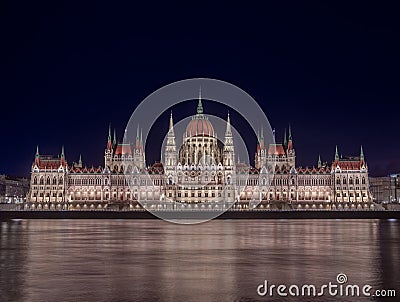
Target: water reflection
{"points": [[126, 260]]}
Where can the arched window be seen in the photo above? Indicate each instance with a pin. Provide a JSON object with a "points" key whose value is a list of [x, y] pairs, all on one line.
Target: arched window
{"points": [[35, 181], [60, 181], [351, 181], [344, 181], [48, 180], [357, 181], [363, 181], [338, 181], [54, 181]]}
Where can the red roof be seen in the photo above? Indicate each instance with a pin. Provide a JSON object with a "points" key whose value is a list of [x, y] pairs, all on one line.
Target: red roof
{"points": [[276, 149], [348, 164], [47, 162], [123, 149], [198, 126]]}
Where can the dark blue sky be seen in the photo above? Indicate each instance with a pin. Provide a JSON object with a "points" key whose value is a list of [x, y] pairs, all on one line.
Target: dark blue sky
{"points": [[68, 70]]}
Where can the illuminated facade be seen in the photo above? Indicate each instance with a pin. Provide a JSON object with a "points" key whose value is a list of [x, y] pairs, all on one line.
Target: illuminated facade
{"points": [[201, 174]]}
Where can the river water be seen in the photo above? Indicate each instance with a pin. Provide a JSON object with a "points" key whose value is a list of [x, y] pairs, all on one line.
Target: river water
{"points": [[220, 260]]}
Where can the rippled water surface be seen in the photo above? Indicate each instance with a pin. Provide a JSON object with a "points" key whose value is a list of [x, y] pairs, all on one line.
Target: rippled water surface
{"points": [[221, 260]]}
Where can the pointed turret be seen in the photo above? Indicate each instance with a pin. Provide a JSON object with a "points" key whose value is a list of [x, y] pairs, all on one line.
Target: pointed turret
{"points": [[319, 161], [137, 143], [228, 131], [200, 106], [261, 152], [290, 141], [229, 156], [115, 138], [262, 143], [37, 156], [170, 155], [109, 142], [79, 164], [109, 150], [62, 156], [284, 139], [361, 154], [171, 123], [141, 138], [336, 153]]}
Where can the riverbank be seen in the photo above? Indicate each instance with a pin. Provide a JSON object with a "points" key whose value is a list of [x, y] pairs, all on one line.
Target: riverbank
{"points": [[4, 215]]}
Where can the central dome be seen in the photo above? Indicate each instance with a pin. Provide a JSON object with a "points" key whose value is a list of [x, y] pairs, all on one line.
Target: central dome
{"points": [[199, 125]]}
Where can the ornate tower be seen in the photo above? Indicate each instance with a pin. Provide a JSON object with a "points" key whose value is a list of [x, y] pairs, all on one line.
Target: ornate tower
{"points": [[170, 155], [108, 153], [291, 154], [261, 153], [229, 150], [138, 155]]}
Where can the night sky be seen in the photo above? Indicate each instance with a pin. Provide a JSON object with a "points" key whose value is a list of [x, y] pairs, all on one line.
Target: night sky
{"points": [[68, 70]]}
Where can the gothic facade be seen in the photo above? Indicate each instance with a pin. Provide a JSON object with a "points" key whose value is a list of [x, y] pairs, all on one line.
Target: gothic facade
{"points": [[201, 174]]}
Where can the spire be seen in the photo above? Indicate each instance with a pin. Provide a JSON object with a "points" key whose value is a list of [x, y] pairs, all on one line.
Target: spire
{"points": [[284, 139], [171, 122], [138, 138], [336, 153], [319, 161], [141, 137], [362, 154], [228, 131], [109, 143], [62, 152], [115, 137], [200, 106], [261, 139], [171, 127], [80, 160], [37, 159], [290, 141]]}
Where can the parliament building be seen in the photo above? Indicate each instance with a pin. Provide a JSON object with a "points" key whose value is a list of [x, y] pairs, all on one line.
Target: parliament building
{"points": [[201, 174]]}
